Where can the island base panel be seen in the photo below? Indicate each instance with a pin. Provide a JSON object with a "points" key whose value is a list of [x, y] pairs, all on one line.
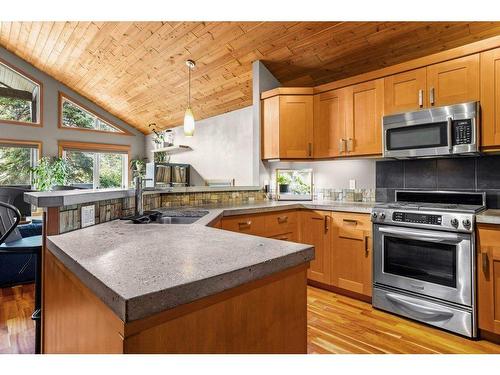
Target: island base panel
{"points": [[264, 316]]}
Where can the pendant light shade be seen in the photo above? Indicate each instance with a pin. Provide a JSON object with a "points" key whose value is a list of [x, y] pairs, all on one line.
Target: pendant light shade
{"points": [[188, 116]]}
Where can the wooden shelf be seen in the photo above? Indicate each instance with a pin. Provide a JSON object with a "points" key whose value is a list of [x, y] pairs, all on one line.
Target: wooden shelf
{"points": [[174, 149]]}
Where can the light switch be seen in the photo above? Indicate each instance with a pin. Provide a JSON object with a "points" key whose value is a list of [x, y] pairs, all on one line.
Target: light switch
{"points": [[352, 184], [88, 216]]}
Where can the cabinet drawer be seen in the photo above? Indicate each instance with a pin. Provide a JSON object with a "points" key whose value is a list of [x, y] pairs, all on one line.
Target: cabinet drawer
{"points": [[250, 224], [281, 222], [352, 224]]}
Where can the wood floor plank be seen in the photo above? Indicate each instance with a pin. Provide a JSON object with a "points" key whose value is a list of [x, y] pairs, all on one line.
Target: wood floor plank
{"points": [[336, 325]]}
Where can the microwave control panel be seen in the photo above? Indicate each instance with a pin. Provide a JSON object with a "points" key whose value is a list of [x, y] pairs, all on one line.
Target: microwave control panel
{"points": [[462, 130], [408, 217]]}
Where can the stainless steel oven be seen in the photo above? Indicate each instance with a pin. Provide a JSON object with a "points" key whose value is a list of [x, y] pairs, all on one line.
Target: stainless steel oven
{"points": [[432, 263], [440, 131]]}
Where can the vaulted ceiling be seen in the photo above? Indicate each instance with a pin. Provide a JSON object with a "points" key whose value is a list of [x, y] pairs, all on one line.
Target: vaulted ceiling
{"points": [[136, 70]]}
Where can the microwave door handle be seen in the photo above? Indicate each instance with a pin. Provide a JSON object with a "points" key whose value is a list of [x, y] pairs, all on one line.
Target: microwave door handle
{"points": [[419, 236], [449, 129]]}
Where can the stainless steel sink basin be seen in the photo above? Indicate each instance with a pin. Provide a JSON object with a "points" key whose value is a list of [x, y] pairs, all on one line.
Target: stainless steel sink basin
{"points": [[175, 220]]}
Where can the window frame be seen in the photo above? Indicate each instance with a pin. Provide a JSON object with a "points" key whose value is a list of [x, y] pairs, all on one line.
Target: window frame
{"points": [[64, 97], [19, 142], [21, 72], [102, 148]]}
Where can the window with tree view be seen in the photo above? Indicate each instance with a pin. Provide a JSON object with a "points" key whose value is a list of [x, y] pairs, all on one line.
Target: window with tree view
{"points": [[19, 97], [96, 170], [75, 116], [16, 161]]}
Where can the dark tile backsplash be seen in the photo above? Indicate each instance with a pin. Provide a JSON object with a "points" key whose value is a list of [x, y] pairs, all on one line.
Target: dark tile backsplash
{"points": [[481, 173]]}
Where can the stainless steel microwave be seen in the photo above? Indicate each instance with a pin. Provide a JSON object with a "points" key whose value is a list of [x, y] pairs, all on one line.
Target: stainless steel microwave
{"points": [[440, 131]]}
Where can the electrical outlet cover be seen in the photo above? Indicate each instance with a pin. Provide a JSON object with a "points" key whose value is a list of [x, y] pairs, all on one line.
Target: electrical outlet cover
{"points": [[88, 216], [352, 184]]}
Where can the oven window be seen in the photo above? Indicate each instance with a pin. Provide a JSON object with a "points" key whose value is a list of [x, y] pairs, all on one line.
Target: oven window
{"points": [[426, 261], [417, 136]]}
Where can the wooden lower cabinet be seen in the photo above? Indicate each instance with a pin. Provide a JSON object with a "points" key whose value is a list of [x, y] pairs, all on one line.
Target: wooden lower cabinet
{"points": [[352, 252], [488, 277], [315, 230]]}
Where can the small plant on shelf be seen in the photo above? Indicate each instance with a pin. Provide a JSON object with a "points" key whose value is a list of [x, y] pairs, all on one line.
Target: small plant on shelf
{"points": [[138, 167], [283, 181]]}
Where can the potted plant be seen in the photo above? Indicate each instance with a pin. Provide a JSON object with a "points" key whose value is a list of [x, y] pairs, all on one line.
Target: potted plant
{"points": [[283, 181], [158, 136], [49, 173]]}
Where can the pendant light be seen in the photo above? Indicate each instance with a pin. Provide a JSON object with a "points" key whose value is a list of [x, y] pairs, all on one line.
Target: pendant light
{"points": [[188, 116]]}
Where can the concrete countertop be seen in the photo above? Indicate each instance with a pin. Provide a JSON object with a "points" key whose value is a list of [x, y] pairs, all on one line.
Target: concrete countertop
{"points": [[490, 216], [70, 197], [140, 270]]}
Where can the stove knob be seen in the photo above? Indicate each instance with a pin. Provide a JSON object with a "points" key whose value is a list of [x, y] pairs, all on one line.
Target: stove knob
{"points": [[374, 215], [454, 223], [466, 223], [382, 216]]}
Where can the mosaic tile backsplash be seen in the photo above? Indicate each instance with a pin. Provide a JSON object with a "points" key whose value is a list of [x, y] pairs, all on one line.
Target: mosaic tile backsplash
{"points": [[69, 216]]}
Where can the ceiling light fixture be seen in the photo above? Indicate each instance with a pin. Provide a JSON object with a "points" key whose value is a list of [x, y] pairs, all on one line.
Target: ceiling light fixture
{"points": [[188, 116]]}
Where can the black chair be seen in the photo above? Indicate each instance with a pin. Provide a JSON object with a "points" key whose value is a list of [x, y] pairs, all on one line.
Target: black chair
{"points": [[11, 242]]}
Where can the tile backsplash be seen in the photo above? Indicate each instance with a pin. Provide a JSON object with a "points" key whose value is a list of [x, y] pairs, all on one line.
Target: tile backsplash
{"points": [[479, 173]]}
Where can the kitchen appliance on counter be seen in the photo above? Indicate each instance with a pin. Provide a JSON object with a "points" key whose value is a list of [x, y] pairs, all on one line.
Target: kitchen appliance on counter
{"points": [[167, 175], [440, 131], [424, 258]]}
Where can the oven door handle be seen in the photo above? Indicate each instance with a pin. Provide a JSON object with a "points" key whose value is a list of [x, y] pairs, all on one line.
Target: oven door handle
{"points": [[417, 235], [423, 312]]}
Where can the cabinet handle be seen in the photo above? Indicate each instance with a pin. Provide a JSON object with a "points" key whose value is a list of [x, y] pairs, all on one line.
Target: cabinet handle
{"points": [[349, 145], [341, 145], [485, 261], [367, 248], [309, 148], [282, 219], [282, 238], [420, 98], [245, 224], [431, 95], [350, 221], [327, 223]]}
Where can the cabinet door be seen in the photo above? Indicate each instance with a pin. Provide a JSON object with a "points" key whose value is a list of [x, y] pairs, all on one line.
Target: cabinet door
{"points": [[405, 91], [329, 124], [365, 108], [490, 98], [488, 277], [352, 252], [455, 81], [296, 126], [270, 128], [315, 230]]}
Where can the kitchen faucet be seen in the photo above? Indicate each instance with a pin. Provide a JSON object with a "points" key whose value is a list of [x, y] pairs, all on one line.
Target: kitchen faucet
{"points": [[139, 206]]}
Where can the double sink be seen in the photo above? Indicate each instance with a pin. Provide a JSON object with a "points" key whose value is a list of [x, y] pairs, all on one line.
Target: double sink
{"points": [[179, 216]]}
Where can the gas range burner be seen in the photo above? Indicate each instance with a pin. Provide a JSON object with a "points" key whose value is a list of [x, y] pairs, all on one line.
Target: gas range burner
{"points": [[450, 211]]}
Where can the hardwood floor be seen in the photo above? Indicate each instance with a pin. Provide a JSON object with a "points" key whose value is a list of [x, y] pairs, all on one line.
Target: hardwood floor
{"points": [[17, 330], [336, 324]]}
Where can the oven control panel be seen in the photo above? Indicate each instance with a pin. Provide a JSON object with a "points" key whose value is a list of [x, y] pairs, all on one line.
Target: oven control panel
{"points": [[409, 217]]}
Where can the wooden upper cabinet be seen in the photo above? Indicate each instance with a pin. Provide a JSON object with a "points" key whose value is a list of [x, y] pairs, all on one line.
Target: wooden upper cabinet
{"points": [[488, 277], [365, 108], [287, 123], [405, 91], [490, 98], [452, 82], [352, 252], [329, 124], [315, 230]]}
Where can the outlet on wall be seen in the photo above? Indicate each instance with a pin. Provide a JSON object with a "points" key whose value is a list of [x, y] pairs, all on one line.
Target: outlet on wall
{"points": [[352, 184], [88, 216]]}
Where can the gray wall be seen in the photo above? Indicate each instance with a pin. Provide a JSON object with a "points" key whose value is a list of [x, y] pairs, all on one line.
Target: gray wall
{"points": [[49, 134], [222, 147]]}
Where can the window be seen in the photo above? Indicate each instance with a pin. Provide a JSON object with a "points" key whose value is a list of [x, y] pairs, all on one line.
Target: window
{"points": [[96, 166], [19, 97], [16, 160], [76, 116]]}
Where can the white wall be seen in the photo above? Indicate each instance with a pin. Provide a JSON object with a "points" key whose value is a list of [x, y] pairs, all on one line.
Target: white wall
{"points": [[222, 147]]}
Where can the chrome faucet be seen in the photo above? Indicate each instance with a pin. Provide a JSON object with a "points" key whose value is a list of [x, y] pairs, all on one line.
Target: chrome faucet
{"points": [[139, 206]]}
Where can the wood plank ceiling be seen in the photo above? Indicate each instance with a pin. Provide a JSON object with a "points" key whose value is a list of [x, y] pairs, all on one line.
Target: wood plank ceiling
{"points": [[136, 70]]}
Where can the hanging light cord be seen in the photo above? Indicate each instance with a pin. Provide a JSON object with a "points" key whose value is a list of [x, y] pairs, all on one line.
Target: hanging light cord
{"points": [[189, 86]]}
